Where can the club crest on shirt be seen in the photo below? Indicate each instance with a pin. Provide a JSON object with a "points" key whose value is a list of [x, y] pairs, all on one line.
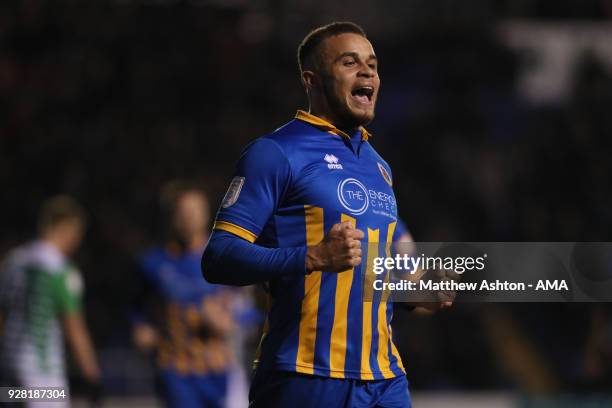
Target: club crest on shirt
{"points": [[233, 192], [385, 174]]}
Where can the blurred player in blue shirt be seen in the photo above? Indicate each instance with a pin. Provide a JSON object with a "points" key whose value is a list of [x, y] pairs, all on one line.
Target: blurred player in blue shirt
{"points": [[302, 201], [186, 321]]}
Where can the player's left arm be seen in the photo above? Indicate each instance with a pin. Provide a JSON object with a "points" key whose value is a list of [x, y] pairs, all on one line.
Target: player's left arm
{"points": [[81, 345], [67, 289], [404, 244], [402, 239]]}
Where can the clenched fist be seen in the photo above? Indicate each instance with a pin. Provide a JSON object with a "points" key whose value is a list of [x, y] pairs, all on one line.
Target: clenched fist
{"points": [[340, 250]]}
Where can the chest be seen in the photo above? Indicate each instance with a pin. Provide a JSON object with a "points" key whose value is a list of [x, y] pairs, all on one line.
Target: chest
{"points": [[342, 182]]}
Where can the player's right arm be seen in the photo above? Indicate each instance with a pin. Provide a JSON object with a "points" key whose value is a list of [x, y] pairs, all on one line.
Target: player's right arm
{"points": [[340, 250], [232, 257], [145, 336]]}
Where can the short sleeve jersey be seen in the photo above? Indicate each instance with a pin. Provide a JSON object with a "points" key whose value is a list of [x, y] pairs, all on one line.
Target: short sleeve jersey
{"points": [[38, 287]]}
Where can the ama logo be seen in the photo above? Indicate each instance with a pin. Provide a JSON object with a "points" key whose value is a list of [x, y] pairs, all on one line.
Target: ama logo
{"points": [[332, 162]]}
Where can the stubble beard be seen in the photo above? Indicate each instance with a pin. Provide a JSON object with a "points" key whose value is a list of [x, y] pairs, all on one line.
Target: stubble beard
{"points": [[340, 109]]}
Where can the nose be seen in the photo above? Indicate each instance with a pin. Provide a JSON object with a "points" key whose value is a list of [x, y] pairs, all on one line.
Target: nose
{"points": [[366, 71]]}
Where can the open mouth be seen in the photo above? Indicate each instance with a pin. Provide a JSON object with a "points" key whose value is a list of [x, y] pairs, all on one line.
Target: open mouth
{"points": [[363, 94]]}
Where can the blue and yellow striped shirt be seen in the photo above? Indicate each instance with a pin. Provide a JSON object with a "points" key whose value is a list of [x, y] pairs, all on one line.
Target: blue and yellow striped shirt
{"points": [[290, 187]]}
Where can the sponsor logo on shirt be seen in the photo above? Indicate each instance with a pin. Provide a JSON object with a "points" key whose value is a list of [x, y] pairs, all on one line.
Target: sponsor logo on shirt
{"points": [[353, 196], [356, 198]]}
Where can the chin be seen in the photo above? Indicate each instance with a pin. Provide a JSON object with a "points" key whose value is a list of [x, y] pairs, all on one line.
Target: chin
{"points": [[354, 116], [359, 115], [362, 118]]}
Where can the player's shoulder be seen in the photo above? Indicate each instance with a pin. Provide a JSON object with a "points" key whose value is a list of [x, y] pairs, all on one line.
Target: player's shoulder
{"points": [[42, 256], [290, 131], [286, 142], [377, 157]]}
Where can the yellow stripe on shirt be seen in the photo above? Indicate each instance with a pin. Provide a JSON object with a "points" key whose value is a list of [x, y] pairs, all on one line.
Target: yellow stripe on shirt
{"points": [[368, 301], [236, 230], [337, 347], [304, 362], [382, 356]]}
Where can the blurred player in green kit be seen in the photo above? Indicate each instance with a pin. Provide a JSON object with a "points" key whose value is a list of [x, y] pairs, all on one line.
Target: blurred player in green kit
{"points": [[41, 304]]}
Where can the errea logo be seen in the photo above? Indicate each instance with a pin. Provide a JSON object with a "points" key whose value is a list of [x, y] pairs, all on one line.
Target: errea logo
{"points": [[332, 162]]}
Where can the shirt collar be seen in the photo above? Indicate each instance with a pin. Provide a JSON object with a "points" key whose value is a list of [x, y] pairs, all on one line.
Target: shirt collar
{"points": [[328, 127]]}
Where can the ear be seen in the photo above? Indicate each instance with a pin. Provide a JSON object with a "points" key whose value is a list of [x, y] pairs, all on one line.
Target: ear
{"points": [[310, 80]]}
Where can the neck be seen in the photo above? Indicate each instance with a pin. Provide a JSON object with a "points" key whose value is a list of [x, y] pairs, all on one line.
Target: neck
{"points": [[56, 242], [323, 111]]}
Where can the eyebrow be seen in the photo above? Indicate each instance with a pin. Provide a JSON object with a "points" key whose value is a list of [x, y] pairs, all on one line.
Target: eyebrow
{"points": [[355, 55]]}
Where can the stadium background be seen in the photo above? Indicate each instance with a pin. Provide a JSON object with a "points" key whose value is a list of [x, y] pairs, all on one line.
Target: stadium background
{"points": [[495, 117]]}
